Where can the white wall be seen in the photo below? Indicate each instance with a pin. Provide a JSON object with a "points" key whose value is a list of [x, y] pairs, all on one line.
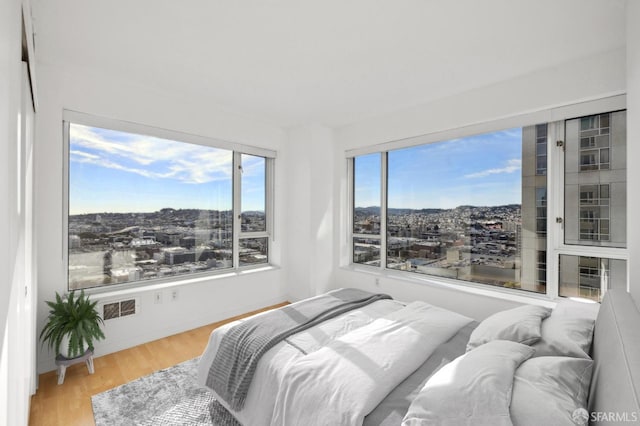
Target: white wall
{"points": [[297, 213], [633, 145], [198, 303], [310, 210], [586, 79], [590, 78]]}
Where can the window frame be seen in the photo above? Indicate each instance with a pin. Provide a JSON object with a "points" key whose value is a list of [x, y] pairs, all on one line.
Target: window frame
{"points": [[558, 185], [237, 203], [237, 149], [382, 236], [555, 117]]}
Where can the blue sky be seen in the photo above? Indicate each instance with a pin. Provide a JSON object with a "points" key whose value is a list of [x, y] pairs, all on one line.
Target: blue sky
{"points": [[481, 170], [111, 171]]}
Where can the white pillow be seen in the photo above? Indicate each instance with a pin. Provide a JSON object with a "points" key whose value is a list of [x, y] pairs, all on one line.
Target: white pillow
{"points": [[577, 308], [565, 333], [474, 389], [549, 390], [521, 324]]}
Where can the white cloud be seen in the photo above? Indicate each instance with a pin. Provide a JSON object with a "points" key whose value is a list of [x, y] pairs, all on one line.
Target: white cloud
{"points": [[253, 166], [83, 154], [86, 158], [155, 158], [513, 165]]}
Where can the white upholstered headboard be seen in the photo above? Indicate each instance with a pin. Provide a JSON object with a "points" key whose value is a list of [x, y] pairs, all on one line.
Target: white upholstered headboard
{"points": [[615, 386]]}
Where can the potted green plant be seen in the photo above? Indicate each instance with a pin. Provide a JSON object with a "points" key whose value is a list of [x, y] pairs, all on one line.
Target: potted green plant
{"points": [[74, 321]]}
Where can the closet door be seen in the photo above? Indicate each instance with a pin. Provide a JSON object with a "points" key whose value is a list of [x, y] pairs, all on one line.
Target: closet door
{"points": [[21, 338], [30, 293]]}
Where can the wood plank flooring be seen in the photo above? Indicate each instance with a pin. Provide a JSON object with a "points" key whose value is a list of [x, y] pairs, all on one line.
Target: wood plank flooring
{"points": [[69, 404]]}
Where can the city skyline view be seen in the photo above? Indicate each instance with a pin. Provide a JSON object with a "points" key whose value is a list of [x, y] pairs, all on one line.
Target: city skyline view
{"points": [[454, 209], [446, 175], [119, 172]]}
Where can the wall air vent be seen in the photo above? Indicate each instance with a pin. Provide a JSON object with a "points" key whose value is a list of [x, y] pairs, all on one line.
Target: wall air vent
{"points": [[121, 308]]}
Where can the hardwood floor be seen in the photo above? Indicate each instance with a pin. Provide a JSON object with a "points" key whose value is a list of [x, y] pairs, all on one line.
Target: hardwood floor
{"points": [[70, 403]]}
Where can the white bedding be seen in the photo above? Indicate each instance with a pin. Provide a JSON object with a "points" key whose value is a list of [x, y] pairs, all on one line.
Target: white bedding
{"points": [[258, 409], [340, 383], [339, 371], [474, 389]]}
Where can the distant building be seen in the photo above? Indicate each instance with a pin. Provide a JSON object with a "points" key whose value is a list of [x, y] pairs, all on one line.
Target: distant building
{"points": [[453, 255], [180, 255], [596, 180], [123, 275], [169, 238], [532, 235], [142, 242], [75, 242], [594, 202], [188, 242], [177, 255]]}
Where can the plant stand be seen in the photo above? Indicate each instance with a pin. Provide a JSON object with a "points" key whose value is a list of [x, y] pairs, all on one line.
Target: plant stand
{"points": [[62, 362]]}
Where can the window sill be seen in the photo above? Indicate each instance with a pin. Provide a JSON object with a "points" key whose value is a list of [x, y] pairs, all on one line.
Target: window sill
{"points": [[124, 289], [519, 296]]}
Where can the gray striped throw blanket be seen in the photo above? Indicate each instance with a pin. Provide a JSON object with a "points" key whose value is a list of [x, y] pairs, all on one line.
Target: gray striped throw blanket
{"points": [[242, 346]]}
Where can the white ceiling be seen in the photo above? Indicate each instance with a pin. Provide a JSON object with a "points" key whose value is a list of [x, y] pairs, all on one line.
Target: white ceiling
{"points": [[329, 62]]}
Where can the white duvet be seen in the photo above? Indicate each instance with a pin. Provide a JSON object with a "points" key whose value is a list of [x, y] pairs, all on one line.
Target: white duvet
{"points": [[342, 382], [258, 408], [338, 371]]}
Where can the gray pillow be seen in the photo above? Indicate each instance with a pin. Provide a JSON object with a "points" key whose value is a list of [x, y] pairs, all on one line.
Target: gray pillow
{"points": [[474, 389], [550, 391], [521, 325], [565, 333], [577, 308]]}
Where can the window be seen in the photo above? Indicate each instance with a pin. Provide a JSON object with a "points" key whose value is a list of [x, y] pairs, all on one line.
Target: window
{"points": [[455, 209], [595, 197], [144, 207], [476, 208], [253, 199], [366, 212], [254, 243], [590, 277], [542, 269], [541, 210], [595, 141], [594, 212], [541, 149]]}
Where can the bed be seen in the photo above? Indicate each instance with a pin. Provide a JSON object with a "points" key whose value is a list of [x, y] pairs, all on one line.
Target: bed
{"points": [[362, 358]]}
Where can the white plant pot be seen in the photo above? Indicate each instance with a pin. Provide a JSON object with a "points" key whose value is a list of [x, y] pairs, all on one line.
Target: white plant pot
{"points": [[64, 346]]}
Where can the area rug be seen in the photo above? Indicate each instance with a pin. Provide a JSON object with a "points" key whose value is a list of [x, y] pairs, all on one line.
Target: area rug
{"points": [[166, 397]]}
